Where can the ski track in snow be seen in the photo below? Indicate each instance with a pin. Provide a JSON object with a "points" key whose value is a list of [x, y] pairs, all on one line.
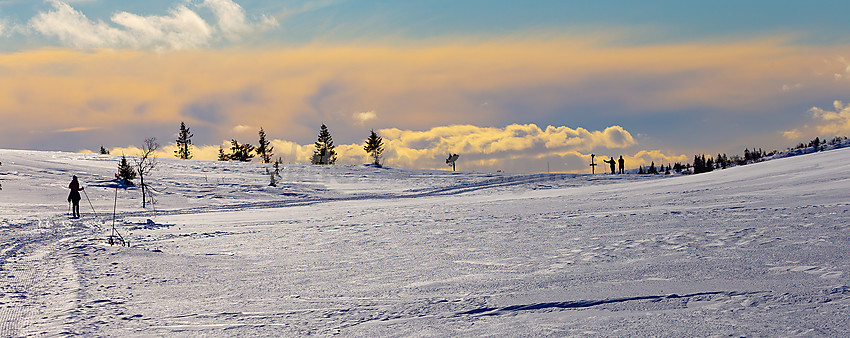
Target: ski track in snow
{"points": [[362, 251]]}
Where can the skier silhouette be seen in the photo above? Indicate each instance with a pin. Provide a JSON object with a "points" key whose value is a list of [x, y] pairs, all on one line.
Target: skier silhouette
{"points": [[74, 196], [612, 163], [622, 163]]}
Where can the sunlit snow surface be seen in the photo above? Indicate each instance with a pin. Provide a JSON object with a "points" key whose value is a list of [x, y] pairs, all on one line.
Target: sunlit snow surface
{"points": [[360, 251]]}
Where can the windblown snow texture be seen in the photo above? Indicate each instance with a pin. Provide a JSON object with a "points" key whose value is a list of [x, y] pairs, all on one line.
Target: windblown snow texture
{"points": [[757, 250]]}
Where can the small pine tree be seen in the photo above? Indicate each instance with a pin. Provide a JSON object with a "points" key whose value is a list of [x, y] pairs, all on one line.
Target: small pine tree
{"points": [[103, 151], [265, 149], [221, 155], [374, 147], [241, 152], [184, 143], [640, 171], [324, 153], [274, 173], [652, 169], [126, 173]]}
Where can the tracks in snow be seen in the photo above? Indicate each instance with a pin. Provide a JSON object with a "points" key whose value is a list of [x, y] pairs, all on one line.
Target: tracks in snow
{"points": [[40, 280], [531, 182]]}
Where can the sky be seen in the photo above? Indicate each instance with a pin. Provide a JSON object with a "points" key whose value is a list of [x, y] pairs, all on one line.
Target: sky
{"points": [[513, 86]]}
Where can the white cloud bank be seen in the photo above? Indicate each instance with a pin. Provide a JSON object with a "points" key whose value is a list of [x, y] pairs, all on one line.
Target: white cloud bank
{"points": [[182, 28], [521, 148], [825, 123], [833, 122]]}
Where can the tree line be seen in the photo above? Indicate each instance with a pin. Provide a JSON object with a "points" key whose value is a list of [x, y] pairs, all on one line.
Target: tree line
{"points": [[703, 163], [324, 153]]}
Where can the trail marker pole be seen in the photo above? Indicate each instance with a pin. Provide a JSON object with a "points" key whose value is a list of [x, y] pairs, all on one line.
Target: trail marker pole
{"points": [[91, 205], [114, 231], [592, 165]]}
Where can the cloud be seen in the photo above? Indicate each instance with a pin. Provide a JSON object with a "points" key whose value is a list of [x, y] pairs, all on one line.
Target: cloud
{"points": [[792, 134], [233, 23], [241, 128], [488, 147], [182, 28], [832, 123], [823, 123], [420, 89], [363, 117], [788, 88], [76, 129], [512, 148]]}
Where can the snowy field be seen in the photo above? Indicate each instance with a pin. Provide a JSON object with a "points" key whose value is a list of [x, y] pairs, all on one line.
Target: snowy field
{"points": [[758, 250]]}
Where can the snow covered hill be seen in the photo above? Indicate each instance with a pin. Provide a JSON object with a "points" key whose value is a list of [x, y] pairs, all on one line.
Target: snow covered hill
{"points": [[363, 251]]}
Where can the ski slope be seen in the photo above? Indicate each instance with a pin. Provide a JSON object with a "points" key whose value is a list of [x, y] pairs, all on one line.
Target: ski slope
{"points": [[757, 250]]}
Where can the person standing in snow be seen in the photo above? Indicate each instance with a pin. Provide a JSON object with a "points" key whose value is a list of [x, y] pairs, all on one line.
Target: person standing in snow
{"points": [[622, 163], [612, 163], [74, 196]]}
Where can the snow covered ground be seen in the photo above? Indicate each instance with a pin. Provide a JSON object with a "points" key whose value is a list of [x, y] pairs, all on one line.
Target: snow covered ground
{"points": [[361, 251]]}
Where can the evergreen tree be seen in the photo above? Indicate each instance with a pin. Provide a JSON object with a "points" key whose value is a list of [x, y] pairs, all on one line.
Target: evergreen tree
{"points": [[678, 167], [652, 169], [274, 173], [103, 151], [374, 147], [640, 171], [241, 152], [815, 143], [264, 150], [325, 152], [698, 165], [184, 142], [221, 155], [126, 173]]}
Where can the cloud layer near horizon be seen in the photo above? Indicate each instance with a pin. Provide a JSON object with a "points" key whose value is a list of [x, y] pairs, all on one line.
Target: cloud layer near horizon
{"points": [[824, 123], [513, 148], [61, 98]]}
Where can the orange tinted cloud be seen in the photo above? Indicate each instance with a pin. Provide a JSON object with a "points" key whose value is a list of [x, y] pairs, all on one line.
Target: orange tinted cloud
{"points": [[290, 91], [483, 149]]}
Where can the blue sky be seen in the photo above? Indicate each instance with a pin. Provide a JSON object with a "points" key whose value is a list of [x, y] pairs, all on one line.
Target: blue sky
{"points": [[820, 22], [653, 80]]}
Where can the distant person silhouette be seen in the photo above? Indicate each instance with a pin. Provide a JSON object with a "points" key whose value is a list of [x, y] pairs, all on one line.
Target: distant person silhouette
{"points": [[74, 196], [622, 164], [612, 163]]}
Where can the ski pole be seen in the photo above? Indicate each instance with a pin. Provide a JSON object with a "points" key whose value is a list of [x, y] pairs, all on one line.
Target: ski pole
{"points": [[92, 206]]}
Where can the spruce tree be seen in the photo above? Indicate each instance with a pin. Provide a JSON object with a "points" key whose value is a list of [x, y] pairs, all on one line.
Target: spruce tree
{"points": [[103, 151], [184, 142], [264, 150], [126, 172], [652, 169], [221, 155], [241, 152], [324, 153], [374, 147]]}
